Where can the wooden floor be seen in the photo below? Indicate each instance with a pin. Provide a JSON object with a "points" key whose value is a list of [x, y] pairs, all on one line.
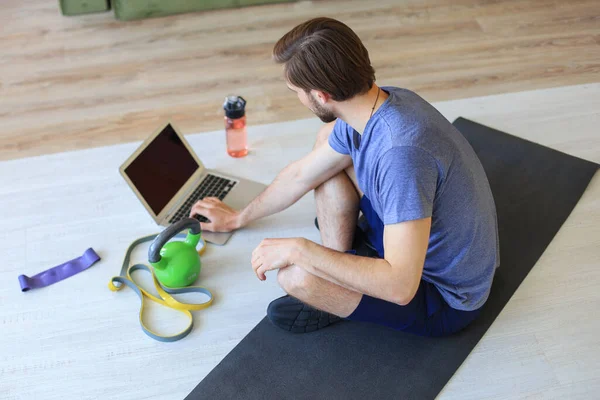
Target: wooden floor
{"points": [[77, 82]]}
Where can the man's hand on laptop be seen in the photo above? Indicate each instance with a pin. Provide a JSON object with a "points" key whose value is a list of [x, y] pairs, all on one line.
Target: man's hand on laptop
{"points": [[222, 217]]}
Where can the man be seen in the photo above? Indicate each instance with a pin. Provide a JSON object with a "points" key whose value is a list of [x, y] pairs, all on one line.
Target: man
{"points": [[424, 254]]}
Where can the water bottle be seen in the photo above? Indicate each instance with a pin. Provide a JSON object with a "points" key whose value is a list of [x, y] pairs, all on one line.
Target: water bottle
{"points": [[235, 126]]}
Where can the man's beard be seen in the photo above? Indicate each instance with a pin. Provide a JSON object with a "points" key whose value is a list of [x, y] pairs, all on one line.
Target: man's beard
{"points": [[324, 114]]}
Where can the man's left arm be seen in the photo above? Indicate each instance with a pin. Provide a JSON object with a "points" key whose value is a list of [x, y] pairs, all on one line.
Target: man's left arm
{"points": [[406, 185], [395, 278]]}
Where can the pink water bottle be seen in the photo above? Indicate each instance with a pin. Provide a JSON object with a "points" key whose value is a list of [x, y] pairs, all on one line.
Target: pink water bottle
{"points": [[235, 126]]}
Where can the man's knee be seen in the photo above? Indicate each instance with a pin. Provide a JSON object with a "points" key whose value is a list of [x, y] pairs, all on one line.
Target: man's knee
{"points": [[323, 134], [293, 279]]}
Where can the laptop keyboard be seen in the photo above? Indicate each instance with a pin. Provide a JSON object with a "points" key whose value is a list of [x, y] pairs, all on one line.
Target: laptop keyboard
{"points": [[211, 186]]}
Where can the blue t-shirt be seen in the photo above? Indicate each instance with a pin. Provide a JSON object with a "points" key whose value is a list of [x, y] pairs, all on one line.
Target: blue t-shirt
{"points": [[412, 163]]}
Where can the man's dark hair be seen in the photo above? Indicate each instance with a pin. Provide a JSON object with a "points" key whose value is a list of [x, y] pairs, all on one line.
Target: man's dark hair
{"points": [[325, 54]]}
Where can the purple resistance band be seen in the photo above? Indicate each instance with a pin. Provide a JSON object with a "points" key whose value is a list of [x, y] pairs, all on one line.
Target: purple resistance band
{"points": [[59, 272]]}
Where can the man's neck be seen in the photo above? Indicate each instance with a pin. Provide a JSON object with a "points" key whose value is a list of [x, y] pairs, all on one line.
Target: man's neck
{"points": [[356, 112]]}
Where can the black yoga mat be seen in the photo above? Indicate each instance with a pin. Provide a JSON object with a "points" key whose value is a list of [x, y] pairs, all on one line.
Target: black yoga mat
{"points": [[535, 189]]}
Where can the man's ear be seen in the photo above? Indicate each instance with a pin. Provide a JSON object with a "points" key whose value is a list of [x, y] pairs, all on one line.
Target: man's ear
{"points": [[322, 97]]}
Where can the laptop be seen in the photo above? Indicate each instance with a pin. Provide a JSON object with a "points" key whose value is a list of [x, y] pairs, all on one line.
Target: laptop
{"points": [[168, 178]]}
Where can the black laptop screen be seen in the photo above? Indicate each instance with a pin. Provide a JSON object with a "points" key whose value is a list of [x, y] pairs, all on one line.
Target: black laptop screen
{"points": [[161, 169]]}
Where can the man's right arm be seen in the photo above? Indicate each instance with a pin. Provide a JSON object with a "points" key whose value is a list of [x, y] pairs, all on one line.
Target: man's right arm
{"points": [[293, 182]]}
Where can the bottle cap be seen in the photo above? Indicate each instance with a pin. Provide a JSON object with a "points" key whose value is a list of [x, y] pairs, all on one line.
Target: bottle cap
{"points": [[235, 107]]}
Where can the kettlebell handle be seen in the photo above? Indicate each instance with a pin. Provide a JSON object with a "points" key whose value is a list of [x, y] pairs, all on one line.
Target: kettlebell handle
{"points": [[168, 234]]}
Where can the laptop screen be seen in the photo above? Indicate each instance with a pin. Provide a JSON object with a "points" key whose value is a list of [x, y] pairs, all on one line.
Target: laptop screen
{"points": [[161, 169]]}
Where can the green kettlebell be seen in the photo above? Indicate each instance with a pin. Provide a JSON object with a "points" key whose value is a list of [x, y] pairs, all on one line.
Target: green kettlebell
{"points": [[176, 264]]}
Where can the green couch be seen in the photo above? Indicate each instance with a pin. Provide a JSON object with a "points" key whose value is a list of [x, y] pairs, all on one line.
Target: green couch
{"points": [[77, 7], [127, 10], [137, 9]]}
